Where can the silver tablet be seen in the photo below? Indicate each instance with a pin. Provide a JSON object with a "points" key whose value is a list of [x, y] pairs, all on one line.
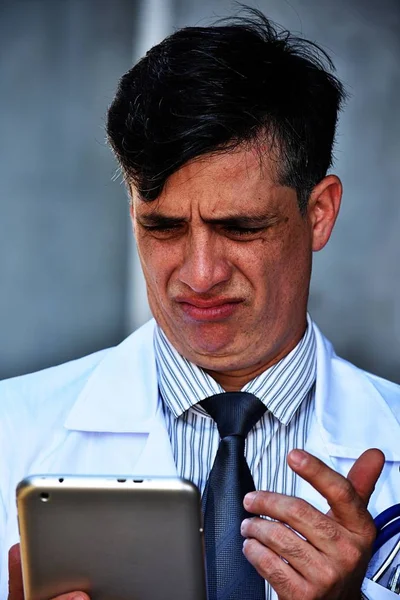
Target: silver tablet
{"points": [[115, 538]]}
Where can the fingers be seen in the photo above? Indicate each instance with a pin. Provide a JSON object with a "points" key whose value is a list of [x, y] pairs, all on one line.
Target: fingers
{"points": [[349, 512], [365, 472], [15, 586], [331, 580], [301, 555], [347, 507], [285, 581], [318, 529], [332, 559]]}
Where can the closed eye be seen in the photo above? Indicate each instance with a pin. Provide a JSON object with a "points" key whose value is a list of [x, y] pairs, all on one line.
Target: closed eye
{"points": [[164, 230], [242, 231]]}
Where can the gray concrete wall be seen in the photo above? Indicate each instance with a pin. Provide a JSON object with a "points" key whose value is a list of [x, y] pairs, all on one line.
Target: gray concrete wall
{"points": [[62, 219]]}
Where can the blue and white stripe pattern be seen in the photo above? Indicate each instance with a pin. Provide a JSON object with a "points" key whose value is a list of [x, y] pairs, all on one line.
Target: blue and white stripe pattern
{"points": [[287, 389]]}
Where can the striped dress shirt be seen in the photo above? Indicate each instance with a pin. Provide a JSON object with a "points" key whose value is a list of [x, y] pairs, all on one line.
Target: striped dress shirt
{"points": [[287, 389]]}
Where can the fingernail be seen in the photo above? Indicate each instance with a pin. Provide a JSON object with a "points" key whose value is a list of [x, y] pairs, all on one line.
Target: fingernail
{"points": [[298, 457], [248, 499], [77, 597], [243, 525]]}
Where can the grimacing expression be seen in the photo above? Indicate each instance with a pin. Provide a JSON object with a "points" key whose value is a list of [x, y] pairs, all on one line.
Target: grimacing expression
{"points": [[226, 255]]}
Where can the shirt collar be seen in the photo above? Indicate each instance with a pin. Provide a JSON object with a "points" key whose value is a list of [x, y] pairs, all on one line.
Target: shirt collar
{"points": [[282, 387], [119, 393]]}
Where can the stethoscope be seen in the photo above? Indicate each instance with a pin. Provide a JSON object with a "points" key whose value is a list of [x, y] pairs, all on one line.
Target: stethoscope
{"points": [[388, 526]]}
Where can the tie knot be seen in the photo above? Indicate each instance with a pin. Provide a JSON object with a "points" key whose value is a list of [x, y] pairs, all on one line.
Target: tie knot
{"points": [[235, 413]]}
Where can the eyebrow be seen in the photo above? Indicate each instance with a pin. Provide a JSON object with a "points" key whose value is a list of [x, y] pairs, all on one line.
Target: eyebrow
{"points": [[159, 219], [244, 220]]}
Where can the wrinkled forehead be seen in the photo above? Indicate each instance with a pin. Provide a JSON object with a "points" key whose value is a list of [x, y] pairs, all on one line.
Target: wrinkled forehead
{"points": [[220, 180]]}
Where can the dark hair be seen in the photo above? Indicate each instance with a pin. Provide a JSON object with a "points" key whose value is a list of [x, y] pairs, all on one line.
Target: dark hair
{"points": [[210, 89]]}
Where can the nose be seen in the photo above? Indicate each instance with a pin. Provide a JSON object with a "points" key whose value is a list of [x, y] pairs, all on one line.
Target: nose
{"points": [[204, 265]]}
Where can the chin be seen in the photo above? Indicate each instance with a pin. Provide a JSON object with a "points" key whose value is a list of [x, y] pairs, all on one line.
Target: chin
{"points": [[206, 348]]}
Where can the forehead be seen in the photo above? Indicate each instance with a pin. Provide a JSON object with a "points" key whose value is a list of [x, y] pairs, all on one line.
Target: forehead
{"points": [[219, 183]]}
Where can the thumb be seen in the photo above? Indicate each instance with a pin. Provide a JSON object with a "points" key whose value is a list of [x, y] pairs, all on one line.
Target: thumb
{"points": [[365, 472], [15, 587]]}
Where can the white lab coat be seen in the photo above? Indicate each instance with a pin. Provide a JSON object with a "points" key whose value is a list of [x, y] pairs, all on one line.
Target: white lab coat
{"points": [[101, 415]]}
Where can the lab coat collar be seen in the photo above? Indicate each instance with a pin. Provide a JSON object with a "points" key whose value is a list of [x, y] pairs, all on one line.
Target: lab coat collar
{"points": [[122, 396], [351, 407]]}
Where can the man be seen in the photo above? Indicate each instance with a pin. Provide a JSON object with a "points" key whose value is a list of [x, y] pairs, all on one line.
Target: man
{"points": [[224, 136]]}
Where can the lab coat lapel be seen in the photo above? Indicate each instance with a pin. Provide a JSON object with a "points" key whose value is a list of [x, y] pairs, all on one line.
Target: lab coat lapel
{"points": [[314, 445], [117, 423], [81, 452], [352, 408], [157, 458], [354, 411], [348, 406]]}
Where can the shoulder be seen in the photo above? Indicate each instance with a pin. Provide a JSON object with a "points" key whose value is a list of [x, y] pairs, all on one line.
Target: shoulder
{"points": [[347, 380], [37, 390], [48, 391], [48, 395], [33, 409], [388, 390]]}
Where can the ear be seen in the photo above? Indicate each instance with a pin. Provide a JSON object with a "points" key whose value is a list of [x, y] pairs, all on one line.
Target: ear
{"points": [[323, 209]]}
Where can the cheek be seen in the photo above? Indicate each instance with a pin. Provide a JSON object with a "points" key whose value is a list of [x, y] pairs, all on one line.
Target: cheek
{"points": [[158, 263], [281, 269], [296, 264]]}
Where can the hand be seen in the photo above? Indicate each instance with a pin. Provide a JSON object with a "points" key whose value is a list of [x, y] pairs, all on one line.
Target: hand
{"points": [[15, 588], [330, 563]]}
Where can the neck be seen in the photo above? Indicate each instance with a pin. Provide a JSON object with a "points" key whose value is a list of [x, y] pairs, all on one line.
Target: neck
{"points": [[234, 381]]}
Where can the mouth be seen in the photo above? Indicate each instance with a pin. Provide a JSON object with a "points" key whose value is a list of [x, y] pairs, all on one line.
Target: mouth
{"points": [[214, 309]]}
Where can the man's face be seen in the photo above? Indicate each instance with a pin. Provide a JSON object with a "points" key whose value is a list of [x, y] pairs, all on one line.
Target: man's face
{"points": [[226, 256]]}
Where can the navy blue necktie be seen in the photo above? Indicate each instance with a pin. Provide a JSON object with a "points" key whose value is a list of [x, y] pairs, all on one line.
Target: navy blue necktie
{"points": [[229, 574]]}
